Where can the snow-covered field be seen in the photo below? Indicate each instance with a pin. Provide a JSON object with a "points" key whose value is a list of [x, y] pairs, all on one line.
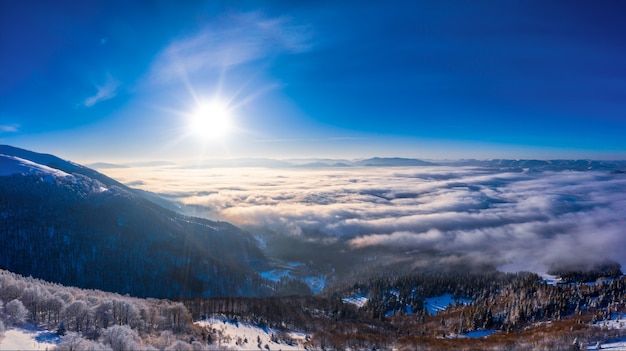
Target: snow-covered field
{"points": [[432, 304], [617, 321], [551, 279], [555, 280], [292, 271], [358, 300], [27, 339], [619, 345], [245, 336], [276, 275], [477, 334], [440, 303]]}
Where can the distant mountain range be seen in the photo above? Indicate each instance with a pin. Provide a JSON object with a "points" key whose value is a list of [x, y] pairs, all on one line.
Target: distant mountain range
{"points": [[501, 164], [69, 224], [545, 165]]}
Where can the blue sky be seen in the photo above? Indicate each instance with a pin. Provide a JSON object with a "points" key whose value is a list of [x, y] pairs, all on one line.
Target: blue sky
{"points": [[120, 80]]}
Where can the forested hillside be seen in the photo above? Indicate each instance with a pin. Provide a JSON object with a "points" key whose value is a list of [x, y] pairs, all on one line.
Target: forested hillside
{"points": [[506, 311], [77, 231]]}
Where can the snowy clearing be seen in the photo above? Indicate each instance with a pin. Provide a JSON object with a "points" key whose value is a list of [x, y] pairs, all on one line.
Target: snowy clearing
{"points": [[619, 345], [358, 300], [246, 336], [617, 321], [27, 339], [440, 303], [478, 334], [276, 275], [551, 279]]}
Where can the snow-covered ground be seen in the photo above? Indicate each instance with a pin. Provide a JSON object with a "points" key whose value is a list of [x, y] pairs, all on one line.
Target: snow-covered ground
{"points": [[297, 271], [276, 275], [245, 336], [617, 321], [432, 304], [477, 334], [440, 303], [358, 300], [619, 345], [551, 279], [14, 165], [555, 280], [27, 339]]}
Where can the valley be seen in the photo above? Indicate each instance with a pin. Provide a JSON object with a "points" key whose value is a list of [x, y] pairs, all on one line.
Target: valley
{"points": [[96, 264]]}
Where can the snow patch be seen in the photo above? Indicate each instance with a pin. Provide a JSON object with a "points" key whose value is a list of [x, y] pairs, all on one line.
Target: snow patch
{"points": [[475, 334], [439, 303], [246, 336], [616, 345], [617, 321], [275, 275], [619, 345], [551, 279], [358, 300], [10, 165], [28, 339]]}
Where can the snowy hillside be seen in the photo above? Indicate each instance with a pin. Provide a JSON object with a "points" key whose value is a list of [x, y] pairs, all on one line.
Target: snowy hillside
{"points": [[245, 336], [89, 229], [15, 165]]}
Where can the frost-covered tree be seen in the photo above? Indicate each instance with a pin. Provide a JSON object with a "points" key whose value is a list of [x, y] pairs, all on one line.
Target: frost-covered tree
{"points": [[121, 337], [71, 342], [54, 306], [165, 339], [34, 298], [77, 314], [198, 346], [15, 312], [104, 314], [90, 345], [180, 346], [176, 317]]}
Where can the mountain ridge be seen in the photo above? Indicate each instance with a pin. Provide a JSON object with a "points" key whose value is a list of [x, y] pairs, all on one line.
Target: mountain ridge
{"points": [[84, 229]]}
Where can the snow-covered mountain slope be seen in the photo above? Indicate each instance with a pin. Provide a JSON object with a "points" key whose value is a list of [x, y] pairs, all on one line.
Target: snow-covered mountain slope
{"points": [[245, 336], [69, 224], [52, 162], [43, 159], [15, 165]]}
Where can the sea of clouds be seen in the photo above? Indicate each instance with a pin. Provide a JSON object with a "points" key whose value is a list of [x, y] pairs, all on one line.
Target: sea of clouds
{"points": [[517, 220]]}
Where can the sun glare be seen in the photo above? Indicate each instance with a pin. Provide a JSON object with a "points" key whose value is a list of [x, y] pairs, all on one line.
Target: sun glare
{"points": [[210, 120]]}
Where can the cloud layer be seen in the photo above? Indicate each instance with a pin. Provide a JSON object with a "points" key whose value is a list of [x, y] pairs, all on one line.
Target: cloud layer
{"points": [[516, 220]]}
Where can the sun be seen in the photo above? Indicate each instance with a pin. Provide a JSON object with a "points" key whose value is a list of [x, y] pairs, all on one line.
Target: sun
{"points": [[211, 120]]}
